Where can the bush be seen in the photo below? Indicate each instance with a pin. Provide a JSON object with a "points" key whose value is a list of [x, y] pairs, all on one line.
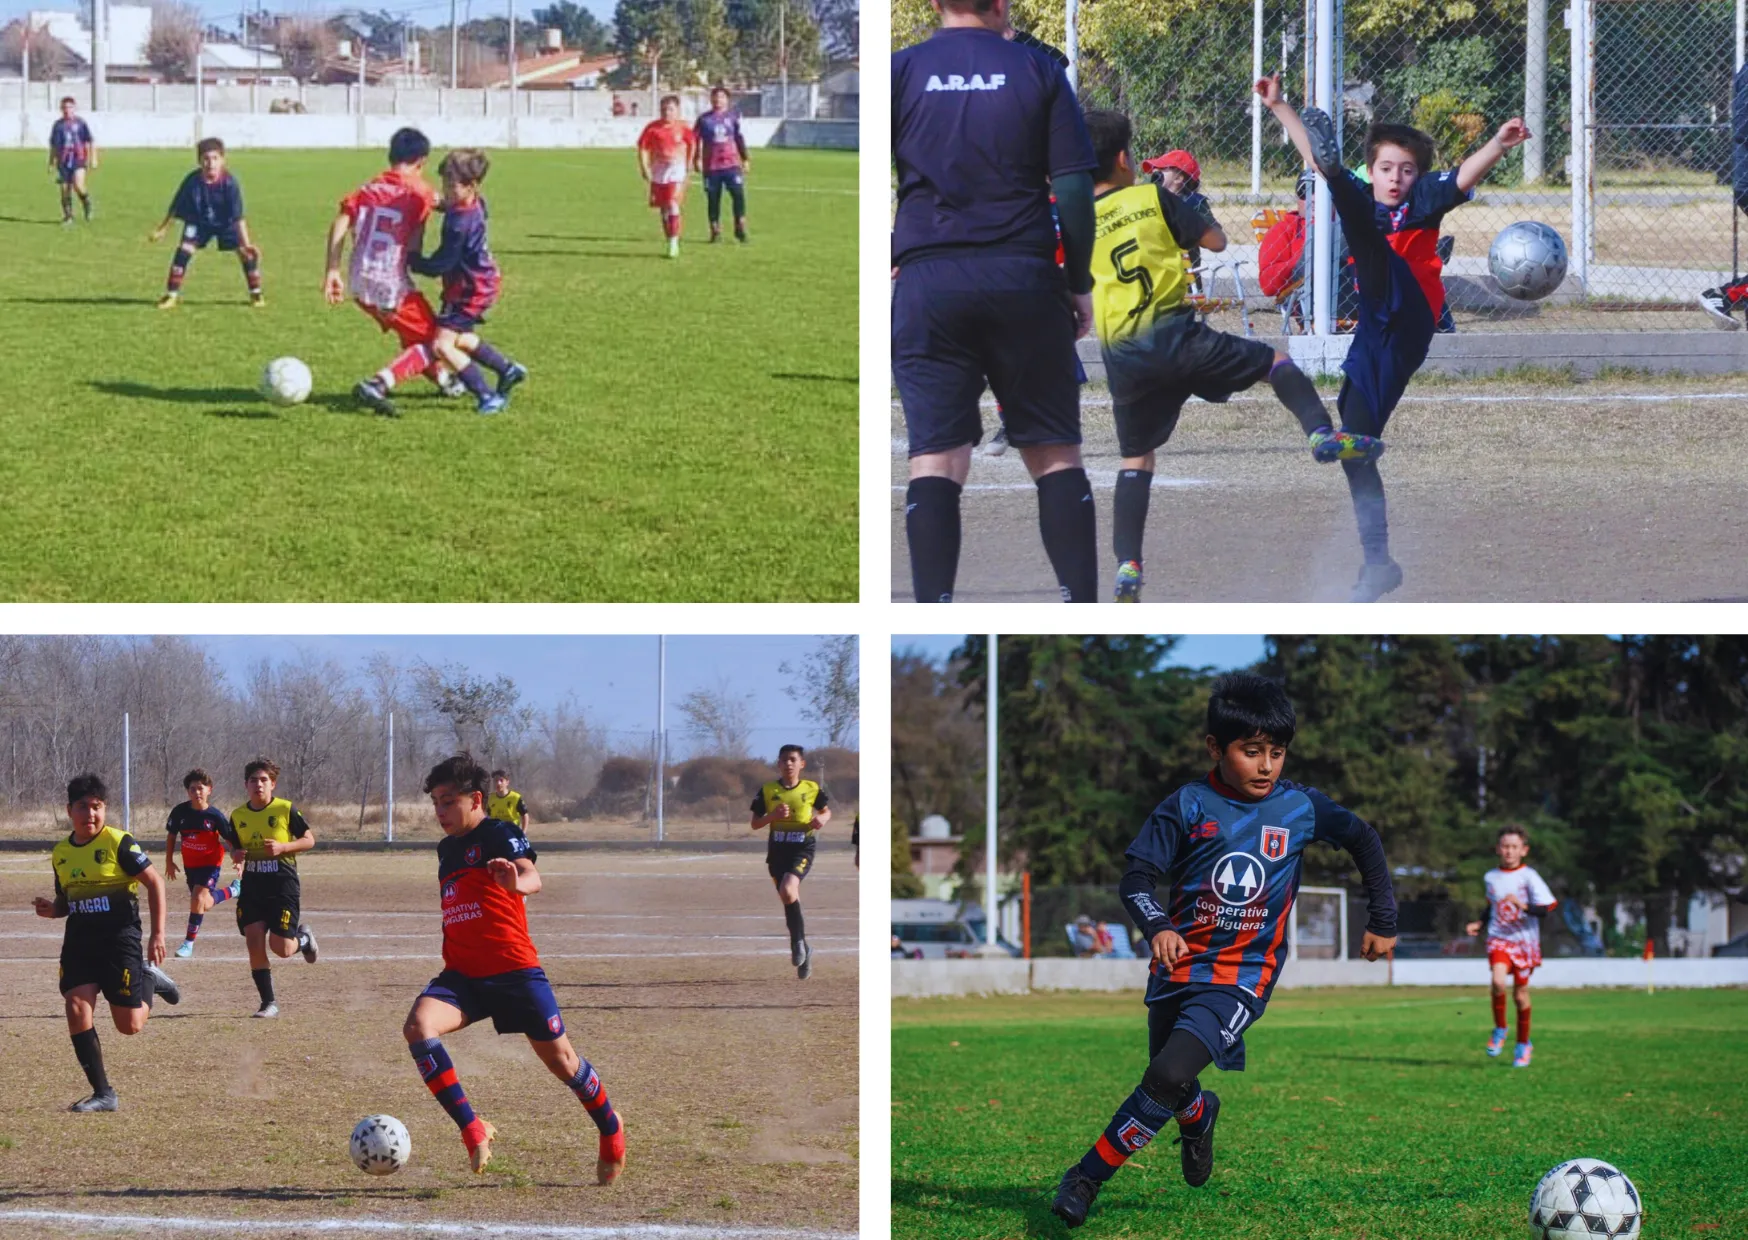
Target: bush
{"points": [[619, 790]]}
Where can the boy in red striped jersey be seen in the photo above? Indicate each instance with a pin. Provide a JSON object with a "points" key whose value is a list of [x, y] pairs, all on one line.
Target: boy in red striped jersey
{"points": [[202, 829], [1231, 845], [485, 870]]}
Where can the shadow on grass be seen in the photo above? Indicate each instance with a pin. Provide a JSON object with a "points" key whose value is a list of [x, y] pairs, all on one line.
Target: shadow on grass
{"points": [[19, 219], [237, 402], [577, 254], [579, 237], [82, 301], [1031, 1201], [1404, 1060], [850, 379]]}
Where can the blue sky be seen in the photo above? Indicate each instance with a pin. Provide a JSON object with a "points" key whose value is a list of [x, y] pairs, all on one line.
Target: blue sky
{"points": [[1220, 651], [224, 13]]}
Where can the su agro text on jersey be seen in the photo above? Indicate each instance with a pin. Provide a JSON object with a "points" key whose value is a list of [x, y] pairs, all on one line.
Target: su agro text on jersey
{"points": [[958, 81]]}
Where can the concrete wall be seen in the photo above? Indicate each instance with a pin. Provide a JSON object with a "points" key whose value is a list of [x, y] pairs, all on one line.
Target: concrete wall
{"points": [[832, 135]]}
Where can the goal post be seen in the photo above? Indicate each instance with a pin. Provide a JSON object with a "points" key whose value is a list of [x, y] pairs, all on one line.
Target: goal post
{"points": [[1320, 931]]}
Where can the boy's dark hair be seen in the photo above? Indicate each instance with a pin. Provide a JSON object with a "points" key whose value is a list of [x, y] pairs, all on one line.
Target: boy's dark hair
{"points": [[968, 6], [65, 100], [718, 89], [408, 146], [465, 166], [87, 785], [500, 773], [196, 776], [208, 144], [459, 771], [666, 100], [1110, 133], [789, 749], [1511, 828], [1242, 705], [262, 764], [1418, 144]]}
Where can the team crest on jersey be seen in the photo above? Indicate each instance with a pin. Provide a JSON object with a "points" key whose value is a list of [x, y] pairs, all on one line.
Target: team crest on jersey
{"points": [[1205, 830], [473, 855], [271, 822], [1132, 1136], [1274, 842], [98, 856], [1238, 879], [555, 1024]]}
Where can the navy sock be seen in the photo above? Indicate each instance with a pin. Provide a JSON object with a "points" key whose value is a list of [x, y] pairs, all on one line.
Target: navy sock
{"points": [[1367, 488], [797, 927], [194, 920], [1194, 1117], [931, 523], [438, 1073], [1069, 524], [263, 983], [474, 379], [90, 1054], [221, 895], [1130, 504], [1299, 395], [491, 359], [178, 269], [586, 1085], [1136, 1123]]}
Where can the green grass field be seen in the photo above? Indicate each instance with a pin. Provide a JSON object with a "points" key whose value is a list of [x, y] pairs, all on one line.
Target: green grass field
{"points": [[1362, 1113], [689, 432]]}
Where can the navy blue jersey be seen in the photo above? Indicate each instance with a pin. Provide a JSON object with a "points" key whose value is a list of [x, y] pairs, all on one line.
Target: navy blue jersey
{"points": [[70, 142], [463, 260], [980, 124], [204, 832], [1412, 230], [212, 205], [1233, 866]]}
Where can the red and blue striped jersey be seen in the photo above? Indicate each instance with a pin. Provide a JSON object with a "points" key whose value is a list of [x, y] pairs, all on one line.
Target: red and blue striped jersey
{"points": [[1411, 227], [1233, 867], [70, 142], [463, 260]]}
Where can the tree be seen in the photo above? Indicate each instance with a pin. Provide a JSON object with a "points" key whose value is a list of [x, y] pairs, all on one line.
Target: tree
{"points": [[485, 716], [579, 28], [174, 44], [840, 27], [828, 688], [722, 718], [303, 43]]}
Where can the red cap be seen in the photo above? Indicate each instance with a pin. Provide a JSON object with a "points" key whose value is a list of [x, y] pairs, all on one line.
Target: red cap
{"points": [[1183, 161]]}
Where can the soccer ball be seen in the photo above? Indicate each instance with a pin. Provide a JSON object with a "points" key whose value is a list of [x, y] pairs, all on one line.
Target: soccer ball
{"points": [[1528, 259], [380, 1144], [1583, 1199], [286, 381]]}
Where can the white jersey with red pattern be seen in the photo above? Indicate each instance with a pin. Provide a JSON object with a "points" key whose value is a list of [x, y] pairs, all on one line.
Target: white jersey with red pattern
{"points": [[388, 217], [1509, 928]]}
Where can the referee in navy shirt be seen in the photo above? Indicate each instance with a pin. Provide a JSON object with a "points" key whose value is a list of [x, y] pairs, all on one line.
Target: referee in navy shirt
{"points": [[984, 129]]}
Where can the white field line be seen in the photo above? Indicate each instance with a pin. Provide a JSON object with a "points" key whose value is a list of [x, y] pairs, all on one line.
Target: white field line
{"points": [[1630, 398], [781, 949], [533, 915], [518, 1231], [341, 935]]}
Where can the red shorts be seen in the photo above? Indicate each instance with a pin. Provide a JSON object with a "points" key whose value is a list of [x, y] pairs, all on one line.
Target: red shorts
{"points": [[412, 320], [1519, 961], [666, 193]]}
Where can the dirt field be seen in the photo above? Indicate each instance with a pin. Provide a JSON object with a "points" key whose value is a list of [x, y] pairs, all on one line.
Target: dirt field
{"points": [[1498, 492], [738, 1083]]}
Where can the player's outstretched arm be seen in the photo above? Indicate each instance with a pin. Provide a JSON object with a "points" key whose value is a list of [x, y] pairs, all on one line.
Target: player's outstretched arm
{"points": [[1288, 116], [1474, 169], [153, 882], [170, 855]]}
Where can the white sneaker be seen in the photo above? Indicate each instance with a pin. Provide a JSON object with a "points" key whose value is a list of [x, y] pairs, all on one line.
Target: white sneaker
{"points": [[266, 1011], [186, 950]]}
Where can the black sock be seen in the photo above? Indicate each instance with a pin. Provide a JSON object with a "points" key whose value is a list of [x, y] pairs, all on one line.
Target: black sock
{"points": [[797, 927], [264, 984], [1367, 488], [1069, 524], [931, 524], [1299, 395], [91, 1059], [1130, 523]]}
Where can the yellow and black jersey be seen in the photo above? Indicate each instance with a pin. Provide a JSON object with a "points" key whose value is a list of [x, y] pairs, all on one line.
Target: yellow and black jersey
{"points": [[278, 821], [803, 800], [95, 881], [1140, 269], [508, 808]]}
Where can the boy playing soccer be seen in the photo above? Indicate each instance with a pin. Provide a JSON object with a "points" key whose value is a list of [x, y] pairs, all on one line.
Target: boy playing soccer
{"points": [[721, 155], [71, 151], [268, 833], [98, 873], [664, 152], [505, 803], [203, 830], [1157, 351], [797, 808], [1391, 228], [464, 262], [485, 871], [1230, 845], [209, 202], [1517, 900]]}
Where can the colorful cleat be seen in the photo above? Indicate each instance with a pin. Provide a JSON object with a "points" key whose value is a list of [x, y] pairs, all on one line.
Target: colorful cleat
{"points": [[236, 887], [1495, 1044], [169, 301], [1715, 302], [1198, 1152], [611, 1159], [267, 1011], [1129, 582], [105, 1101], [494, 402], [1375, 581], [186, 950], [162, 984], [518, 373], [1522, 1057], [373, 395], [478, 1137], [306, 943], [1325, 150], [1330, 446], [1074, 1196]]}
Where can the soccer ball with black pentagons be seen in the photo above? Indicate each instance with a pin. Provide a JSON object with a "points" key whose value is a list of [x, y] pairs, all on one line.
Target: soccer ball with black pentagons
{"points": [[1583, 1199], [381, 1144], [1528, 259]]}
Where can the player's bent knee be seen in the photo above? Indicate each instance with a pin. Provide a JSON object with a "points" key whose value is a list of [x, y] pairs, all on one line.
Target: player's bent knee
{"points": [[1165, 1086]]}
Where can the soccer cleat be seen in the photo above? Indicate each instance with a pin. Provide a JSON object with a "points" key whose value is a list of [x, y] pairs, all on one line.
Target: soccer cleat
{"points": [[266, 1011], [673, 247], [1495, 1044], [1325, 150], [741, 236], [66, 221], [1074, 1196], [372, 394], [1715, 303], [105, 1101], [169, 301], [1375, 581], [998, 442], [478, 1137], [1198, 1152], [90, 207], [496, 402], [163, 984], [186, 950], [716, 236], [257, 301], [236, 888], [804, 969], [518, 373], [1522, 1058], [306, 943], [1129, 582], [1331, 446], [611, 1159]]}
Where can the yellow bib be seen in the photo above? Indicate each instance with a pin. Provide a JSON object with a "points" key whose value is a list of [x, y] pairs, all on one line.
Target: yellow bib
{"points": [[254, 827], [1139, 270], [90, 874], [508, 807], [800, 801]]}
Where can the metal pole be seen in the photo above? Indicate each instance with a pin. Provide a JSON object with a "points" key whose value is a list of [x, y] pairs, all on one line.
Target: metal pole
{"points": [[989, 832], [1071, 23], [783, 66], [388, 814], [454, 44], [1256, 100], [200, 73], [661, 731], [1741, 30], [1736, 216], [1535, 90], [24, 84], [1575, 24], [1323, 226], [363, 57], [127, 771], [99, 55]]}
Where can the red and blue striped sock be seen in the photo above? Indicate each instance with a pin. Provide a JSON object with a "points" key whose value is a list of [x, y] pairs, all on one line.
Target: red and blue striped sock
{"points": [[1193, 1119], [586, 1085], [194, 920], [1136, 1123], [221, 895], [438, 1074]]}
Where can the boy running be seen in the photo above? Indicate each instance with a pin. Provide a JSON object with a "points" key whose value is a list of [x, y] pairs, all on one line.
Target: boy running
{"points": [[98, 873], [209, 202], [1157, 351], [1517, 900], [506, 804], [665, 150], [720, 153], [1391, 228], [485, 871], [267, 834], [797, 808], [464, 262], [1230, 845], [71, 151], [204, 831]]}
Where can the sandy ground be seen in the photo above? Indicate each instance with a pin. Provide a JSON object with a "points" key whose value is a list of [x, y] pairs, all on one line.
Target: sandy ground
{"points": [[738, 1083]]}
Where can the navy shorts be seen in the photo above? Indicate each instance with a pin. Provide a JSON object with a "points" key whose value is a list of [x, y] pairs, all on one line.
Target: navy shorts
{"points": [[1389, 344], [520, 1001], [716, 182], [958, 322], [1218, 1019], [461, 317], [65, 173], [198, 236], [199, 876]]}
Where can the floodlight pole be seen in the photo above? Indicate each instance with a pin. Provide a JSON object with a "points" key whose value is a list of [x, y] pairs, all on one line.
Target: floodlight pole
{"points": [[1323, 226], [512, 8], [989, 833], [388, 815], [1579, 25], [1071, 42], [1255, 99], [99, 55], [1535, 90], [661, 730], [127, 770], [454, 44]]}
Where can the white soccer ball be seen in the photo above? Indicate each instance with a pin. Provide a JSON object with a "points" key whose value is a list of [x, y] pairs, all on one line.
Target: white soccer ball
{"points": [[1583, 1199], [286, 381], [381, 1145], [1528, 259]]}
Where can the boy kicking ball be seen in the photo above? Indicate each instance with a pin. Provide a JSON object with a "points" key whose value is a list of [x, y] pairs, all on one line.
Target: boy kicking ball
{"points": [[1517, 900], [1230, 847]]}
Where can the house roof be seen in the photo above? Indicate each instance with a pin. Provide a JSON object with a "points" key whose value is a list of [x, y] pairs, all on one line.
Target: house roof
{"points": [[554, 69], [238, 57]]}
